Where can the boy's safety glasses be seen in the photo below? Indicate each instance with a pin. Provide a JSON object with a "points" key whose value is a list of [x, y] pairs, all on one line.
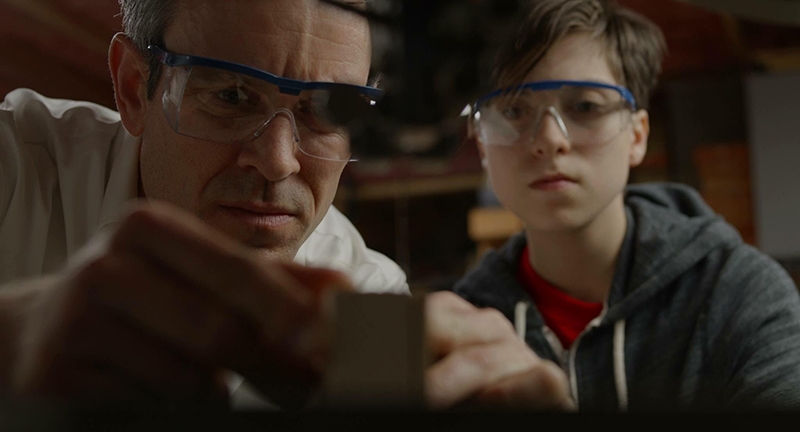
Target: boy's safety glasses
{"points": [[586, 112]]}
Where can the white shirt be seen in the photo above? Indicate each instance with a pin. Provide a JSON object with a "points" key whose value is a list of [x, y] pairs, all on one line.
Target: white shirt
{"points": [[66, 170]]}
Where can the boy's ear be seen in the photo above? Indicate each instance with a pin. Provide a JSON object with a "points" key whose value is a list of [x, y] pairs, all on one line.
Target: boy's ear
{"points": [[471, 138], [481, 152], [641, 132], [129, 72]]}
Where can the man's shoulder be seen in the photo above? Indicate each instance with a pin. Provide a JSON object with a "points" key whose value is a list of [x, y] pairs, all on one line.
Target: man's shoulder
{"points": [[337, 244], [30, 109], [63, 128], [64, 139], [75, 154]]}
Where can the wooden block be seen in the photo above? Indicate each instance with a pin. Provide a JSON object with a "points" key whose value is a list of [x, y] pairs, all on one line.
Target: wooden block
{"points": [[492, 224], [379, 353]]}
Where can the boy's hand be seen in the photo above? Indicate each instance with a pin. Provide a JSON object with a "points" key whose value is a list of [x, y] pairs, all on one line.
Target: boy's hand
{"points": [[480, 359]]}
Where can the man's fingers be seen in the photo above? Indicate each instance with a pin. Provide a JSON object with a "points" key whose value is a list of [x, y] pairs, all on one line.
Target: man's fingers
{"points": [[159, 369], [467, 371], [325, 283], [543, 387], [190, 321], [99, 385], [265, 292], [319, 278], [198, 252]]}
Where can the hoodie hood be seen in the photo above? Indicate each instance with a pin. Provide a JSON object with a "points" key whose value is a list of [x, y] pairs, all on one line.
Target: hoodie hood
{"points": [[670, 229]]}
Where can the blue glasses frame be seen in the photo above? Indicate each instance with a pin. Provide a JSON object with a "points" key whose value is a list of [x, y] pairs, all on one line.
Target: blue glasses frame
{"points": [[285, 85], [555, 85]]}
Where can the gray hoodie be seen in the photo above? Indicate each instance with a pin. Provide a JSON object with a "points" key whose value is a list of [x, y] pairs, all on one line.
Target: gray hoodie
{"points": [[695, 319]]}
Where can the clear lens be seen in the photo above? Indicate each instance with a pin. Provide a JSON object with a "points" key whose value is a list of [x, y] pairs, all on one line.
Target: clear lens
{"points": [[591, 115], [227, 107]]}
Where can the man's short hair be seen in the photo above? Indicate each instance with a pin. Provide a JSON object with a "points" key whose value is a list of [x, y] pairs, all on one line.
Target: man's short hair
{"points": [[635, 45], [145, 22]]}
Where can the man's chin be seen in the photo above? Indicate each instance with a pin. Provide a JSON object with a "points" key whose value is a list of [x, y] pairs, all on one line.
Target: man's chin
{"points": [[277, 236], [281, 245], [273, 251], [273, 244]]}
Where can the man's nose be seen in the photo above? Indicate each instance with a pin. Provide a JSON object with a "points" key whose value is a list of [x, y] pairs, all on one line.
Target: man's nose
{"points": [[550, 135], [273, 151]]}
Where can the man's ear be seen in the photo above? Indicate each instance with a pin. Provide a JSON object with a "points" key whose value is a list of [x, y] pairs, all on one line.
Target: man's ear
{"points": [[641, 132], [129, 73]]}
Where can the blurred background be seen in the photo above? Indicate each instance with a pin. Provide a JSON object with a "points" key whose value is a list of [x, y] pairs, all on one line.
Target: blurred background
{"points": [[725, 119]]}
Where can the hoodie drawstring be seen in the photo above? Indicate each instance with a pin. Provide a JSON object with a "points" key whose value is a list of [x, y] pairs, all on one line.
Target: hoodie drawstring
{"points": [[520, 315], [619, 365], [620, 378]]}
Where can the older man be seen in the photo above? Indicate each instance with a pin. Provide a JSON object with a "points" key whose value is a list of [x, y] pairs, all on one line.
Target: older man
{"points": [[225, 141]]}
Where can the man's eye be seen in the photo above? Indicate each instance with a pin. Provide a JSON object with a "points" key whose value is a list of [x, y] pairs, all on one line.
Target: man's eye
{"points": [[314, 116], [310, 107], [233, 96]]}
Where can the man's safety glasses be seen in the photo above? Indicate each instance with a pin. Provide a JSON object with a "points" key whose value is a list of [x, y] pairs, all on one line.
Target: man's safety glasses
{"points": [[230, 103]]}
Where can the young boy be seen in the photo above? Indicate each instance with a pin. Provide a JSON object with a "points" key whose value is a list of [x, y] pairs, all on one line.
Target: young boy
{"points": [[645, 297]]}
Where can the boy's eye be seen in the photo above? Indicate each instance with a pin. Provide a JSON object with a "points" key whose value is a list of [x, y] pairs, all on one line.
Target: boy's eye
{"points": [[512, 113], [586, 107], [516, 112]]}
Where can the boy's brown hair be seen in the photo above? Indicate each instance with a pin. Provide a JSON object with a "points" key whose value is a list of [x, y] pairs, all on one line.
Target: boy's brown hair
{"points": [[635, 45]]}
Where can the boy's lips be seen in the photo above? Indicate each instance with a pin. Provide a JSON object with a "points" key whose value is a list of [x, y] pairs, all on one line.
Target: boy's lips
{"points": [[552, 182]]}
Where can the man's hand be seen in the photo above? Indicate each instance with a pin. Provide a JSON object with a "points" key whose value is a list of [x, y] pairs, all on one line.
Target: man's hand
{"points": [[160, 309], [481, 361]]}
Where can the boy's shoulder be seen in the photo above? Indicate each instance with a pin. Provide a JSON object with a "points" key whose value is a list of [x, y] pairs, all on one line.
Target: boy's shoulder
{"points": [[674, 198], [675, 234], [493, 280], [668, 217]]}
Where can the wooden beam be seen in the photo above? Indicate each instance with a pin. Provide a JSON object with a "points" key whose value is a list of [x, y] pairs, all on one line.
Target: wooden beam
{"points": [[778, 59], [45, 13]]}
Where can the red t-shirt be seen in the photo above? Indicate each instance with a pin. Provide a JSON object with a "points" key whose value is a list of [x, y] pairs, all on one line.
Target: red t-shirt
{"points": [[565, 315]]}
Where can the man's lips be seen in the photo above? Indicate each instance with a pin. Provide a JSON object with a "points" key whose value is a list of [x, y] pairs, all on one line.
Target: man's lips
{"points": [[258, 208], [259, 215]]}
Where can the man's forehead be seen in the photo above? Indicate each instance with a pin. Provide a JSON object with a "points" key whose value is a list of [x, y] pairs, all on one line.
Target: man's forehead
{"points": [[269, 15], [245, 16], [301, 39]]}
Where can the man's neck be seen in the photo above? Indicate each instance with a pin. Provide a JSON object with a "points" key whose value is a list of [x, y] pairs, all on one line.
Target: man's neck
{"points": [[581, 262]]}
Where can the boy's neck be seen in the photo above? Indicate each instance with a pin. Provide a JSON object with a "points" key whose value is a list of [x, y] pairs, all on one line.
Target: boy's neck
{"points": [[581, 262]]}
